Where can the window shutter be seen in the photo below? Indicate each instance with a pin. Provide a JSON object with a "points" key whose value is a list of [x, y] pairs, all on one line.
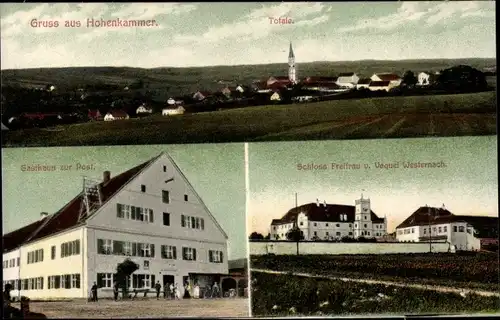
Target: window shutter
{"points": [[119, 210], [194, 254], [202, 224], [210, 257], [99, 280], [58, 282], [134, 249], [152, 251], [151, 216], [100, 246], [193, 222], [77, 247], [174, 249], [221, 257], [183, 223], [153, 281]]}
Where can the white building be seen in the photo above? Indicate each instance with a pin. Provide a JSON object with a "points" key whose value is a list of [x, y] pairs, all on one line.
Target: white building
{"points": [[322, 221], [292, 71], [348, 80], [380, 86], [423, 79], [172, 111], [150, 214], [143, 109], [440, 225], [394, 79], [116, 115]]}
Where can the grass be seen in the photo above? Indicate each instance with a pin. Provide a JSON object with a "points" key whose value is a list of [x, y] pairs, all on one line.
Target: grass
{"points": [[479, 271], [287, 295], [388, 117]]}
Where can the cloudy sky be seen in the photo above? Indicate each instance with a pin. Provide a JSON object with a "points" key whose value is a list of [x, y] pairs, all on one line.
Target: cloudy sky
{"points": [[193, 34], [468, 185]]}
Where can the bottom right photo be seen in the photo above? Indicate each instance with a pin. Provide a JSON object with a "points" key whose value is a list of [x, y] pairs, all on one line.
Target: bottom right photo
{"points": [[374, 227]]}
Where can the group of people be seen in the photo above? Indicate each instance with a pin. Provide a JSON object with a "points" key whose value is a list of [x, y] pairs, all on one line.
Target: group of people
{"points": [[170, 290]]}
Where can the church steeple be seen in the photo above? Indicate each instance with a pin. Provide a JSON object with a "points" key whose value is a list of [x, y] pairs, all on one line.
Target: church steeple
{"points": [[292, 73]]}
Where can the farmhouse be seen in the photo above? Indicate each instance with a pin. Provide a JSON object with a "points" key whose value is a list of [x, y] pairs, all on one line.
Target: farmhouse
{"points": [[394, 79], [116, 115], [363, 83], [324, 221], [150, 214], [440, 225], [423, 79], [143, 109], [173, 110], [379, 85], [349, 80]]}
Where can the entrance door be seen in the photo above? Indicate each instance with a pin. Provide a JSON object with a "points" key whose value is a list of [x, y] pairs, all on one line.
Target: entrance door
{"points": [[168, 279]]}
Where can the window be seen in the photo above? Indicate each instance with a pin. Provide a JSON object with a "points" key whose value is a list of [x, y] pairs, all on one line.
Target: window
{"points": [[166, 218], [104, 246], [445, 229], [412, 230], [34, 256], [127, 248], [365, 217], [18, 261], [168, 252], [366, 225], [146, 265], [350, 233], [368, 233], [327, 234], [326, 224], [75, 280], [146, 250], [142, 281], [301, 223], [185, 197], [461, 229], [337, 225], [105, 280], [315, 233], [215, 256], [189, 254], [338, 234], [165, 196], [70, 248], [143, 188], [164, 168], [440, 230], [192, 222], [52, 282], [125, 211], [425, 230], [53, 252], [315, 224], [350, 225], [455, 229]]}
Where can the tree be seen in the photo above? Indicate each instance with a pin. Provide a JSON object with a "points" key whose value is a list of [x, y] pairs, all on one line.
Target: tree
{"points": [[462, 79], [268, 237], [256, 236], [409, 79], [123, 272], [295, 234]]}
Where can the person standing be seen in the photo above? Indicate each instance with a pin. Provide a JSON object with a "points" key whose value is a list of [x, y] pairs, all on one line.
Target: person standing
{"points": [[165, 290], [115, 290], [215, 290], [196, 291], [158, 289], [187, 289], [177, 291], [172, 291], [94, 292]]}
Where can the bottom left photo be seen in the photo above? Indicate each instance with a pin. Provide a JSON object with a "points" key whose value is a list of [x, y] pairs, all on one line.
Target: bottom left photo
{"points": [[125, 231]]}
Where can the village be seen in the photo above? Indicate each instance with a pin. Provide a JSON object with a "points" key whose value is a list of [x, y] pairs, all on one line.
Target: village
{"points": [[45, 106]]}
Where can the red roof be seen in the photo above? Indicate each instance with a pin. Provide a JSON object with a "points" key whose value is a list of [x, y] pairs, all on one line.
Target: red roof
{"points": [[380, 83], [67, 217], [388, 77], [330, 213]]}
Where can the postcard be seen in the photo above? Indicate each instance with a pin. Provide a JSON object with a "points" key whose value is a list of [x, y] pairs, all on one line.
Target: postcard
{"points": [[142, 231], [144, 73], [374, 227]]}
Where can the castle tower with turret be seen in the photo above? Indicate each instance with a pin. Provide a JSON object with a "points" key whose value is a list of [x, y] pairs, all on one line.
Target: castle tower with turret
{"points": [[292, 72]]}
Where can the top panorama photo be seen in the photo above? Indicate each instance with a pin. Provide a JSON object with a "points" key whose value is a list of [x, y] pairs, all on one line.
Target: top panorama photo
{"points": [[144, 73]]}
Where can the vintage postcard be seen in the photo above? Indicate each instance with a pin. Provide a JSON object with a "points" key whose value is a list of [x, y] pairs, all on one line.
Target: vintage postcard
{"points": [[387, 227], [142, 231], [144, 73]]}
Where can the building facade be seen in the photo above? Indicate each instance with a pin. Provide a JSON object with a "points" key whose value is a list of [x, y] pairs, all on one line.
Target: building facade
{"points": [[322, 221], [149, 214], [430, 224]]}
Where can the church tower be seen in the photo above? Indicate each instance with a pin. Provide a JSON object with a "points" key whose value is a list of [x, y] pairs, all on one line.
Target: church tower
{"points": [[362, 221], [292, 73]]}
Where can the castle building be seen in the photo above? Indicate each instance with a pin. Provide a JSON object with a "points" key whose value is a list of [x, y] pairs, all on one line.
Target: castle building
{"points": [[322, 221], [292, 71], [149, 214], [430, 224]]}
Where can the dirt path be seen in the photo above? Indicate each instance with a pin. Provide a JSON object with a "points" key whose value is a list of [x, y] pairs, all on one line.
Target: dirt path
{"points": [[143, 308], [389, 283]]}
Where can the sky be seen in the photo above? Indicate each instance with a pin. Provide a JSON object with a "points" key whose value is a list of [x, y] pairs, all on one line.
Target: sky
{"points": [[468, 185], [216, 172], [207, 34]]}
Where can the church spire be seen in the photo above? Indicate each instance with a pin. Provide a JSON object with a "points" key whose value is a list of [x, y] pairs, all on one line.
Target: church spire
{"points": [[292, 72], [290, 53]]}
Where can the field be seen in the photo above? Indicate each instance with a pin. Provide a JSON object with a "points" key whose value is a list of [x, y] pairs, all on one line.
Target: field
{"points": [[143, 308], [287, 295], [474, 271], [389, 117]]}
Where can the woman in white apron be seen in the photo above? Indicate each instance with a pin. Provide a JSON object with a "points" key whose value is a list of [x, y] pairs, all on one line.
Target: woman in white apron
{"points": [[196, 291]]}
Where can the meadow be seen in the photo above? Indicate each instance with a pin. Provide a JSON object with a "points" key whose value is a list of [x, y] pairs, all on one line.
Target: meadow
{"points": [[475, 270], [385, 117], [288, 295]]}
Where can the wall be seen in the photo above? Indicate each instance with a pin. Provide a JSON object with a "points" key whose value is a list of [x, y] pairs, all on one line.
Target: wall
{"points": [[12, 273], [98, 263], [284, 247], [51, 267]]}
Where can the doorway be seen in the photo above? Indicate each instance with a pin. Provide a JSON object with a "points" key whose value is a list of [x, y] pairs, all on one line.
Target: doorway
{"points": [[168, 279]]}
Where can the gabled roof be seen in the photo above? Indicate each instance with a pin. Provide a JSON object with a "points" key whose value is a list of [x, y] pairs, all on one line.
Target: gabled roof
{"points": [[346, 74], [380, 83], [388, 76], [67, 217], [328, 213], [118, 113]]}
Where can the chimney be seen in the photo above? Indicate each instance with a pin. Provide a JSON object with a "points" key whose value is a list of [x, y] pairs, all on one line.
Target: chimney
{"points": [[106, 176], [44, 214], [317, 202]]}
